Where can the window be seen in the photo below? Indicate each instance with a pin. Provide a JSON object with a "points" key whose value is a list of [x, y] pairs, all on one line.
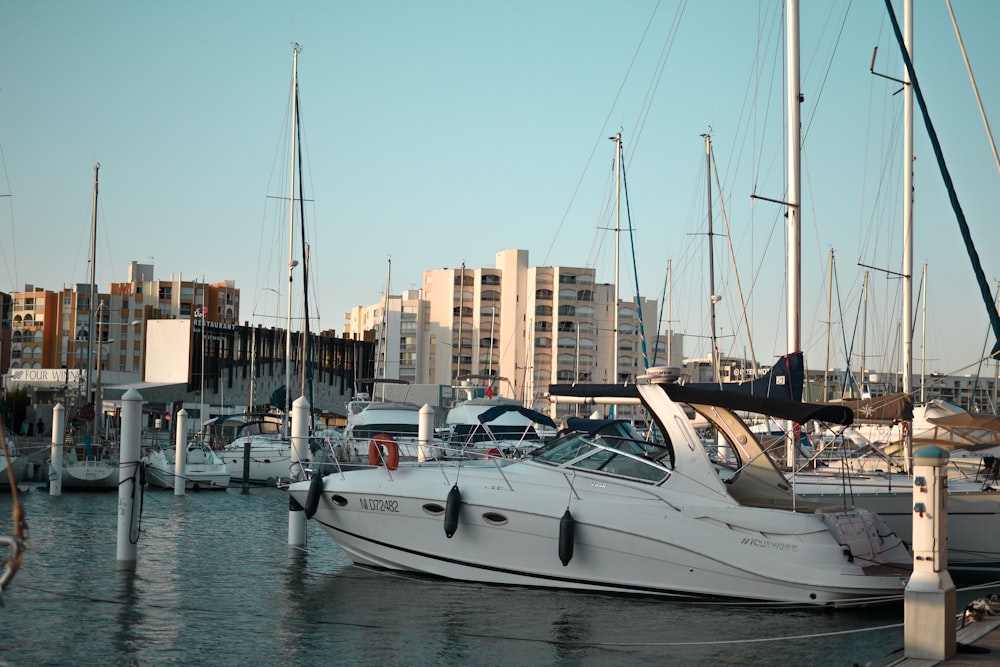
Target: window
{"points": [[567, 342], [543, 310], [566, 294], [490, 279], [585, 295], [543, 294], [584, 311], [543, 326], [491, 295], [543, 341], [567, 279], [567, 310], [566, 325]]}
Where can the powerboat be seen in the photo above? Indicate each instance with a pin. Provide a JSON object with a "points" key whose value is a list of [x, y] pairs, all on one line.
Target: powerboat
{"points": [[377, 426], [497, 426], [608, 511], [204, 469], [261, 452]]}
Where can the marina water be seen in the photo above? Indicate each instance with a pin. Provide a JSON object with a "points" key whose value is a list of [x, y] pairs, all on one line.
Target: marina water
{"points": [[216, 583]]}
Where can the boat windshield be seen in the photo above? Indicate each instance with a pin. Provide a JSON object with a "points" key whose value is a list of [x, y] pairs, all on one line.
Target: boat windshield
{"points": [[614, 450]]}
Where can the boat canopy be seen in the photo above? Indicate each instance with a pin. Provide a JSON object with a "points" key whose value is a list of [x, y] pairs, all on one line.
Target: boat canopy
{"points": [[497, 411], [733, 400], [893, 408]]}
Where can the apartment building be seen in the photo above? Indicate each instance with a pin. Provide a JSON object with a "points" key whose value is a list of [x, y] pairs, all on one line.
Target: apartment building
{"points": [[528, 326]]}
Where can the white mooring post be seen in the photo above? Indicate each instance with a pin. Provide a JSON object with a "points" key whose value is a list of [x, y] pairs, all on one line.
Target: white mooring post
{"points": [[128, 470], [929, 602], [180, 453], [425, 430], [300, 461], [56, 454]]}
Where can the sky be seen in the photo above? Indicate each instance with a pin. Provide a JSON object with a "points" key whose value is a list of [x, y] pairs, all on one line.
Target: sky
{"points": [[439, 133]]}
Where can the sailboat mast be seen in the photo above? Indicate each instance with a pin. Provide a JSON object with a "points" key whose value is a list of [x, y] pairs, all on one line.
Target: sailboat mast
{"points": [[794, 167], [383, 342], [829, 324], [93, 286], [670, 331], [794, 305], [291, 243], [618, 228], [713, 299], [908, 226]]}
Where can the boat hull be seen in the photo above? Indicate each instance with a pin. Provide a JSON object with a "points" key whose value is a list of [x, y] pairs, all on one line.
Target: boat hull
{"points": [[102, 474], [266, 464], [625, 539]]}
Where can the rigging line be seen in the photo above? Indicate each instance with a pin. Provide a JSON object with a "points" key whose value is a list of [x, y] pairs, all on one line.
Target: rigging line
{"points": [[977, 267], [597, 143], [647, 102], [826, 74], [975, 88], [732, 257], [635, 274]]}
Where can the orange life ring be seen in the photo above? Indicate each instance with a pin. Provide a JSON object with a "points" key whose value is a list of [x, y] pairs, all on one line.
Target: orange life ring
{"points": [[493, 453], [376, 453]]}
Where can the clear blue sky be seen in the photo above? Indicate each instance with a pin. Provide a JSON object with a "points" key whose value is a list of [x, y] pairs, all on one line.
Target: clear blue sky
{"points": [[443, 132]]}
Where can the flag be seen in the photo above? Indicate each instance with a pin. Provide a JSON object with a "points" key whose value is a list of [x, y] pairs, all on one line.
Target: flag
{"points": [[489, 392]]}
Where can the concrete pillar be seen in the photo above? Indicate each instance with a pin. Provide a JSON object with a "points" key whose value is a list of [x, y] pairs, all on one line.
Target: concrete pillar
{"points": [[56, 454], [425, 431], [180, 453], [929, 599], [128, 470]]}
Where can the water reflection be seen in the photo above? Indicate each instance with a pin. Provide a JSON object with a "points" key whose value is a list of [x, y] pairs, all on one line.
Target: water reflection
{"points": [[130, 617], [216, 583]]}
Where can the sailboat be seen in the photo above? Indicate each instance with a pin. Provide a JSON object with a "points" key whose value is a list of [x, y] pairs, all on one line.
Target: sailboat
{"points": [[262, 453], [973, 508], [92, 465]]}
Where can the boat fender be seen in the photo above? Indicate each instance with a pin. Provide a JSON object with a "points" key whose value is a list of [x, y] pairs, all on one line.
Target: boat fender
{"points": [[315, 493], [567, 529], [493, 453], [383, 446], [451, 511]]}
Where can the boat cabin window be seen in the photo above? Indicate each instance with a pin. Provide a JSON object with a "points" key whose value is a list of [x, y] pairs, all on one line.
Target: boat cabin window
{"points": [[613, 450]]}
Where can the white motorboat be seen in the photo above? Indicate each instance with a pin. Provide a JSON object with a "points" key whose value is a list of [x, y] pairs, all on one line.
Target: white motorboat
{"points": [[501, 426], [377, 426], [203, 468], [261, 452], [610, 512]]}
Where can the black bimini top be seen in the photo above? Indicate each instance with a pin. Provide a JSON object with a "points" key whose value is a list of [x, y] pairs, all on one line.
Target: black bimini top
{"points": [[797, 412]]}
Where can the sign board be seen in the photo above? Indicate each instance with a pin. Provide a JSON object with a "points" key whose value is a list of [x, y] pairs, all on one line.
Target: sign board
{"points": [[46, 376]]}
